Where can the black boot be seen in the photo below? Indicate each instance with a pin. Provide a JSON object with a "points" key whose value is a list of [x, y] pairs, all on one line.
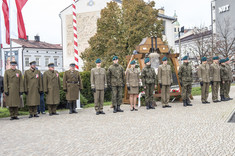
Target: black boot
{"points": [[70, 108], [188, 103], [30, 116], [114, 109], [147, 105], [119, 109], [36, 115], [184, 103], [74, 107], [12, 118]]}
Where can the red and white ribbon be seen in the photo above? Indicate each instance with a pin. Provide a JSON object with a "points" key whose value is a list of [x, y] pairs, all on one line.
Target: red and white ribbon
{"points": [[75, 35]]}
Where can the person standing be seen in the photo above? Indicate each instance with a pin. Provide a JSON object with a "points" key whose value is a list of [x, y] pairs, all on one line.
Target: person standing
{"points": [[41, 107], [224, 75], [116, 82], [215, 78], [1, 89], [186, 78], [98, 86], [165, 80], [51, 86], [228, 85], [132, 82], [13, 89], [148, 77], [33, 88], [204, 78], [72, 84]]}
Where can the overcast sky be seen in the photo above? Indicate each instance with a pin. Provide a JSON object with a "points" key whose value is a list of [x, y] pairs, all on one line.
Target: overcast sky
{"points": [[42, 16]]}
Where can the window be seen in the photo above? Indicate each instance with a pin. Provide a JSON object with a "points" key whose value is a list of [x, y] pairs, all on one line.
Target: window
{"points": [[46, 61], [175, 29], [164, 28], [37, 61], [26, 61], [56, 62]]}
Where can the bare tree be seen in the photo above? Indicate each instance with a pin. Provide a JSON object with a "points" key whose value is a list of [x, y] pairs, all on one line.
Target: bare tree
{"points": [[225, 38]]}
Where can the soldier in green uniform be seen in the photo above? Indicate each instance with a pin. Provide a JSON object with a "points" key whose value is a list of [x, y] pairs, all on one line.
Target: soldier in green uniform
{"points": [[204, 78], [224, 75], [116, 82], [51, 86], [33, 87], [165, 80], [228, 86], [148, 77], [215, 78], [13, 89], [186, 78], [72, 84], [98, 86], [133, 83]]}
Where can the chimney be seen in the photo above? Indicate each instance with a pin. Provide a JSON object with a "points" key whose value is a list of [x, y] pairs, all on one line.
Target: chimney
{"points": [[37, 38], [161, 11]]}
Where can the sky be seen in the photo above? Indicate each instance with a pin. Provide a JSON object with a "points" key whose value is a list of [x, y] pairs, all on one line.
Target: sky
{"points": [[41, 17]]}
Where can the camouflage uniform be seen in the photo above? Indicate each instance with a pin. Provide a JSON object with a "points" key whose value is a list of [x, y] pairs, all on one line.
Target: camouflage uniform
{"points": [[148, 77], [224, 74], [115, 79], [186, 78], [228, 84]]}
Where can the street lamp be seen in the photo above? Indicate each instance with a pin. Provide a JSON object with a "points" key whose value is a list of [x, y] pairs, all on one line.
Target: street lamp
{"points": [[180, 31]]}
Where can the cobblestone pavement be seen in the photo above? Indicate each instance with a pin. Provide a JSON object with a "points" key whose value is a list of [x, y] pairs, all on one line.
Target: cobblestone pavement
{"points": [[200, 130]]}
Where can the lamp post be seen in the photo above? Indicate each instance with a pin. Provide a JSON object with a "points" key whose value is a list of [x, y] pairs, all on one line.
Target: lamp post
{"points": [[180, 31]]}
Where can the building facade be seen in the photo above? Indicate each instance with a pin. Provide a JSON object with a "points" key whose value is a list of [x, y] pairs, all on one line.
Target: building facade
{"points": [[25, 51]]}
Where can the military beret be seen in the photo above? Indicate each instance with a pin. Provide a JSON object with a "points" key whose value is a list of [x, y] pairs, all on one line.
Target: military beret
{"points": [[204, 59], [72, 65], [227, 59], [98, 60], [146, 60], [222, 60], [185, 58], [216, 58], [51, 65], [164, 58], [33, 63], [13, 63], [115, 58], [133, 62]]}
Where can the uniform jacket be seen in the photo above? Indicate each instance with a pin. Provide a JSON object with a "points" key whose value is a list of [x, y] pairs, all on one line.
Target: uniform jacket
{"points": [[33, 86], [224, 73], [13, 84], [132, 77], [215, 72], [51, 85], [98, 78], [72, 82], [165, 75], [204, 73], [148, 75], [115, 75], [185, 73], [228, 67]]}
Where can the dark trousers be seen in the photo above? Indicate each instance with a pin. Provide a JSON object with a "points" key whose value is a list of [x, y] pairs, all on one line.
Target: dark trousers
{"points": [[117, 95], [41, 107], [52, 108], [32, 110], [13, 111]]}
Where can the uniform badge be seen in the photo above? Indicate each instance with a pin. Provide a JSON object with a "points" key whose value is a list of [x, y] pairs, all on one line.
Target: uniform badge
{"points": [[17, 75], [36, 76]]}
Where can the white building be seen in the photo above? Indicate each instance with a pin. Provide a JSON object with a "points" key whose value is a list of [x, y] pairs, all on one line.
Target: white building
{"points": [[87, 15], [25, 51]]}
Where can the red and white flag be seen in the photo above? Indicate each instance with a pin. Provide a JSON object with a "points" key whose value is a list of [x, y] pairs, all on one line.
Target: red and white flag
{"points": [[14, 23]]}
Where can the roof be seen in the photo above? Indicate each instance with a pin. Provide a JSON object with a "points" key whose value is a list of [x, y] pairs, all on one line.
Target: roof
{"points": [[36, 45], [166, 17], [193, 36]]}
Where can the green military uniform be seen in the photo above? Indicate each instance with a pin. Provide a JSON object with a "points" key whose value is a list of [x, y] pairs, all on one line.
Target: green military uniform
{"points": [[215, 80], [204, 78], [33, 86], [13, 88], [224, 74], [165, 80], [228, 84], [51, 86], [148, 77], [132, 80], [186, 78], [98, 84], [116, 81], [72, 84]]}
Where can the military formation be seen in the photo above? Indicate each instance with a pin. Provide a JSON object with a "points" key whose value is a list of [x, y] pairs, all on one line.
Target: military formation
{"points": [[34, 85]]}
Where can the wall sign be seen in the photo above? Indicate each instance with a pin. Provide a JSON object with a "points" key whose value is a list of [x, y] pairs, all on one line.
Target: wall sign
{"points": [[224, 8]]}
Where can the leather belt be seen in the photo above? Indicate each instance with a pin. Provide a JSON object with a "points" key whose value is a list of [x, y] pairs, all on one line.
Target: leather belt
{"points": [[72, 82]]}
